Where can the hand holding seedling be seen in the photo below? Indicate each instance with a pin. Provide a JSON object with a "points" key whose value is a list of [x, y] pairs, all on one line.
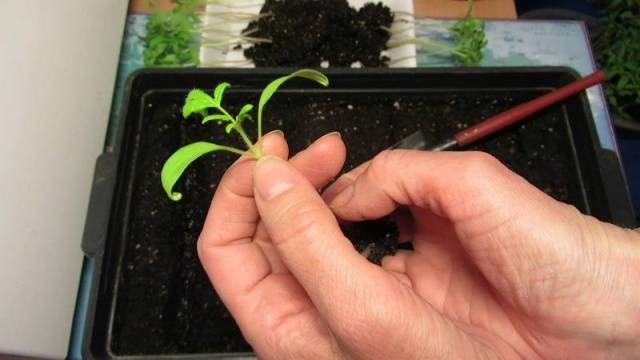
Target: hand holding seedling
{"points": [[499, 270], [211, 108], [266, 300]]}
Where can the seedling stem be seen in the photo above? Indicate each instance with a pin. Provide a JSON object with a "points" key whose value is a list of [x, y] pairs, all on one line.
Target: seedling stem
{"points": [[199, 102]]}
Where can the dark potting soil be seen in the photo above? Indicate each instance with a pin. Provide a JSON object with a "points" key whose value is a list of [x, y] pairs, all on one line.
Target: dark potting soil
{"points": [[373, 239], [308, 32], [165, 303]]}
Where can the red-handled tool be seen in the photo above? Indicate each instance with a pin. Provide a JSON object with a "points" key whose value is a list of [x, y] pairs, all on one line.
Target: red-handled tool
{"points": [[506, 118]]}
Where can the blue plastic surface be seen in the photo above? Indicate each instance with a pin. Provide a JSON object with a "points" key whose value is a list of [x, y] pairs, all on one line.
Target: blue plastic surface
{"points": [[629, 143]]}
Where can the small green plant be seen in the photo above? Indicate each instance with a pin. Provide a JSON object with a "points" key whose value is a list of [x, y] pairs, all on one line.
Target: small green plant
{"points": [[211, 109], [468, 40], [171, 36], [617, 45]]}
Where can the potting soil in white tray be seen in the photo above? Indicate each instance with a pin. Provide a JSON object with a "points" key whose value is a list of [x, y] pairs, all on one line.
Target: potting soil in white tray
{"points": [[218, 28]]}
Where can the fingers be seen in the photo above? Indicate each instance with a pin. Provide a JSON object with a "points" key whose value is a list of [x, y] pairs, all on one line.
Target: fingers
{"points": [[343, 182], [322, 160], [453, 185], [509, 228], [366, 307], [225, 247], [236, 263], [319, 163], [465, 193], [309, 241]]}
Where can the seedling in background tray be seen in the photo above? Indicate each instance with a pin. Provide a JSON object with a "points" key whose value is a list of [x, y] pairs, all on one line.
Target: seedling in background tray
{"points": [[468, 36], [617, 46], [470, 39], [231, 40], [199, 102], [173, 37]]}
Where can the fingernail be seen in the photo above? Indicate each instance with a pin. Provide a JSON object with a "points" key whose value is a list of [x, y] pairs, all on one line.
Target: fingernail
{"points": [[343, 197], [336, 188], [331, 134], [272, 177], [274, 132]]}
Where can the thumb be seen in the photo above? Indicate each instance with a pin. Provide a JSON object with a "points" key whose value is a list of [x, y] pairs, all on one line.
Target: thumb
{"points": [[307, 237]]}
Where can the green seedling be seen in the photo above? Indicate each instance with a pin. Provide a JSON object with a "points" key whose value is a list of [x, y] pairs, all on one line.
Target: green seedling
{"points": [[617, 44], [174, 37], [211, 109], [171, 38], [468, 40]]}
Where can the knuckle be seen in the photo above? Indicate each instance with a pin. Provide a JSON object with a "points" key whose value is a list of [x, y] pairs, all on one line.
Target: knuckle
{"points": [[200, 247], [480, 169], [395, 174], [470, 191], [481, 162], [380, 165], [204, 243]]}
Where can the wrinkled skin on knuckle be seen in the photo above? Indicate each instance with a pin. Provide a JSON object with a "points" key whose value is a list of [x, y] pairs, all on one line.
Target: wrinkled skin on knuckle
{"points": [[380, 174], [203, 244], [379, 167], [480, 170], [470, 189], [411, 189]]}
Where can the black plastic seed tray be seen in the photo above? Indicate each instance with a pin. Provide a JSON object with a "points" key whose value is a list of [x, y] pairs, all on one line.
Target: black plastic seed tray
{"points": [[150, 299]]}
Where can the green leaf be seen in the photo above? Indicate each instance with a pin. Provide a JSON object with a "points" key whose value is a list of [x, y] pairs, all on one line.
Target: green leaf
{"points": [[177, 29], [242, 115], [156, 42], [218, 92], [197, 100], [469, 38], [270, 89], [171, 59], [220, 117], [244, 112], [623, 83], [178, 163]]}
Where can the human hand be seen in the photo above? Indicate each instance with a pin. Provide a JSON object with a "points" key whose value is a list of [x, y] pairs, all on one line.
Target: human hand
{"points": [[512, 270], [488, 275], [271, 308]]}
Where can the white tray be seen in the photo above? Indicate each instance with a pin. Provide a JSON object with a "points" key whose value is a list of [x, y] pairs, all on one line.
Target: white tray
{"points": [[215, 29]]}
